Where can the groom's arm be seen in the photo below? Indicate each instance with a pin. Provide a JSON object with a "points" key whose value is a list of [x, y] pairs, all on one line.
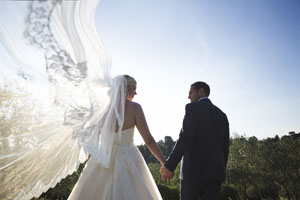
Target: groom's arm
{"points": [[186, 137], [226, 142]]}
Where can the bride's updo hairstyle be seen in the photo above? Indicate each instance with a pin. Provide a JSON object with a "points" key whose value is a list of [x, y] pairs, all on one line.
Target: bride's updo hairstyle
{"points": [[131, 82]]}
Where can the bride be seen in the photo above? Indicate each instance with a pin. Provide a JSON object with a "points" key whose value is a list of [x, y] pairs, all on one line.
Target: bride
{"points": [[60, 105], [127, 176]]}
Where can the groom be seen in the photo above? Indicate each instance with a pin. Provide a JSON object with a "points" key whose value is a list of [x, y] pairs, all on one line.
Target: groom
{"points": [[203, 146]]}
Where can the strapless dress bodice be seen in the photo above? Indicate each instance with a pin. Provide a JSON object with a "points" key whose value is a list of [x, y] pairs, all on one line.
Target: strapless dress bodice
{"points": [[126, 137]]}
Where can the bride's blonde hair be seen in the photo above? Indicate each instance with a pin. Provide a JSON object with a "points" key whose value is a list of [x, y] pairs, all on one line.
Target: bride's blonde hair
{"points": [[131, 82]]}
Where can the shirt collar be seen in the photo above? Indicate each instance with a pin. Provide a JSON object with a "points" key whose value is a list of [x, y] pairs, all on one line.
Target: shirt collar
{"points": [[202, 98]]}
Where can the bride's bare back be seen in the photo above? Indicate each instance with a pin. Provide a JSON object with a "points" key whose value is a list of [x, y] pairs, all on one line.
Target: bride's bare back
{"points": [[134, 116], [129, 116]]}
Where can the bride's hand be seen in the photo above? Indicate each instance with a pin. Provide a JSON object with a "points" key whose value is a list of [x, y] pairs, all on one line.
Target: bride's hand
{"points": [[166, 174]]}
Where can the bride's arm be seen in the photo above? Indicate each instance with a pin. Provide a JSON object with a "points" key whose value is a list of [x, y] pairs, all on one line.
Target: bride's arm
{"points": [[142, 127]]}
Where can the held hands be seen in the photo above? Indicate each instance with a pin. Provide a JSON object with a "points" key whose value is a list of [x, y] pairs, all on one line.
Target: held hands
{"points": [[166, 174]]}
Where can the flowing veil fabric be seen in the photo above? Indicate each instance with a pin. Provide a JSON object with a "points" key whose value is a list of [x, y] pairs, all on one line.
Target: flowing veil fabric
{"points": [[59, 101]]}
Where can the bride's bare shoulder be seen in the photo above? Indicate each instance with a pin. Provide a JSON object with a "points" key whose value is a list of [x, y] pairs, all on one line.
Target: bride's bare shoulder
{"points": [[134, 105]]}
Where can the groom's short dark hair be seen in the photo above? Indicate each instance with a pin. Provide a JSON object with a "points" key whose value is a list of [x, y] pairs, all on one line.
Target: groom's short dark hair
{"points": [[200, 84]]}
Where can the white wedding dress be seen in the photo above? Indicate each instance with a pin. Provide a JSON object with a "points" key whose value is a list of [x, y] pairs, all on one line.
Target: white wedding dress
{"points": [[127, 178]]}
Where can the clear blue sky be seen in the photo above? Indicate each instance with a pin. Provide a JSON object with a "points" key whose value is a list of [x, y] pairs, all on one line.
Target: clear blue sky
{"points": [[247, 51]]}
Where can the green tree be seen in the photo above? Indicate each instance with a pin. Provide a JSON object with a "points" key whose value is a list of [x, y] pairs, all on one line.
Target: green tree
{"points": [[169, 144], [239, 169], [288, 170], [266, 169]]}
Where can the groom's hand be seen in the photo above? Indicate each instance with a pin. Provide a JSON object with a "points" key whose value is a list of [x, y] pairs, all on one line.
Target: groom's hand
{"points": [[166, 174]]}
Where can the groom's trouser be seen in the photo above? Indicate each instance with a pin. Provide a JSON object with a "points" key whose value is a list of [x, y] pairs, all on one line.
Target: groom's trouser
{"points": [[200, 190]]}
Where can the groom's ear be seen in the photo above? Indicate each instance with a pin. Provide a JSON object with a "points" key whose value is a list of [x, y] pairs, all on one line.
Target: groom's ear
{"points": [[201, 91]]}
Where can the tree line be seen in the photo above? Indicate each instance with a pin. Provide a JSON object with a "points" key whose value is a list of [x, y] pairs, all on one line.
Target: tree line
{"points": [[265, 169], [257, 169]]}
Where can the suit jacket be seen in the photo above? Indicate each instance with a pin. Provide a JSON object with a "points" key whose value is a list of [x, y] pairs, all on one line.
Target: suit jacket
{"points": [[203, 143]]}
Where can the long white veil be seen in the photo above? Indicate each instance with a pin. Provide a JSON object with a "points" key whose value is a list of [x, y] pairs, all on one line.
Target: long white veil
{"points": [[58, 99]]}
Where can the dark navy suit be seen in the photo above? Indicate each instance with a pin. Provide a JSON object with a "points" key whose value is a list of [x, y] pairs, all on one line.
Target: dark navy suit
{"points": [[204, 145]]}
